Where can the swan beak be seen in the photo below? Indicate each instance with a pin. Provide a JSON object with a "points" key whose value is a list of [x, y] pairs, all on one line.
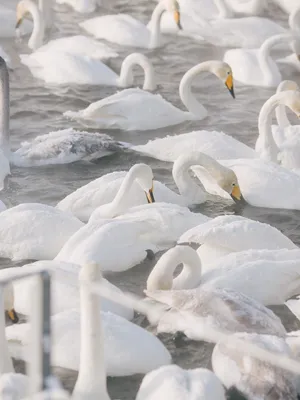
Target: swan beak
{"points": [[236, 193], [177, 19], [19, 22], [229, 85], [150, 196], [13, 316]]}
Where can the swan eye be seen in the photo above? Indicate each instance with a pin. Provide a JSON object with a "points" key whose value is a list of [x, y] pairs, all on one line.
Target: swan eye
{"points": [[233, 185]]}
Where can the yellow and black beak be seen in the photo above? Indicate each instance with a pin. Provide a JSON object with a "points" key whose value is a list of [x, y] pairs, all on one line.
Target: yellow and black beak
{"points": [[236, 194], [177, 19], [229, 85], [19, 22], [150, 197], [13, 316]]}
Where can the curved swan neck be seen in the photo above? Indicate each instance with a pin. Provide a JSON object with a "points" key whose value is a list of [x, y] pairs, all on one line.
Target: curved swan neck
{"points": [[91, 381], [281, 116], [265, 144], [45, 7], [161, 277], [37, 36], [294, 20], [6, 364], [225, 11], [185, 92], [264, 55], [126, 74], [4, 108], [155, 25]]}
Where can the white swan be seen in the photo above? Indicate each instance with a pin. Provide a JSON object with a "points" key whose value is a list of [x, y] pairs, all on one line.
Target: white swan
{"points": [[64, 289], [174, 382], [255, 66], [153, 227], [278, 275], [26, 231], [87, 198], [134, 109], [232, 233], [127, 31], [123, 341], [58, 147], [82, 6], [255, 379], [8, 23]]}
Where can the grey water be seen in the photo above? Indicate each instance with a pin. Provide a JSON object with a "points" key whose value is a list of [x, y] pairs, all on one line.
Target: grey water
{"points": [[37, 109]]}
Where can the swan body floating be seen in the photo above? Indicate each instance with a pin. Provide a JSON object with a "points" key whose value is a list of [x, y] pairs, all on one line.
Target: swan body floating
{"points": [[127, 31], [256, 67], [134, 109], [60, 147], [124, 341], [64, 289], [87, 198], [232, 233], [81, 6], [245, 371], [175, 382], [278, 276], [26, 231], [217, 308], [140, 229]]}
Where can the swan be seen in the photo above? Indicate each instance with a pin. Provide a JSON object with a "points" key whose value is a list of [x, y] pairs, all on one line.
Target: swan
{"points": [[83, 201], [176, 383], [8, 22], [60, 147], [127, 31], [217, 308], [153, 227], [64, 288], [26, 231], [81, 6], [133, 109], [256, 67], [255, 379], [123, 341], [278, 280], [232, 233]]}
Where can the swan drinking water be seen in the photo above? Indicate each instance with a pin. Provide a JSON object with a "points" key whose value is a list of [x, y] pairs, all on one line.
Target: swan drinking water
{"points": [[133, 109]]}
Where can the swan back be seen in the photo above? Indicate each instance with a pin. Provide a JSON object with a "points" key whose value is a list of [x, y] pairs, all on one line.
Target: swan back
{"points": [[126, 77], [161, 277]]}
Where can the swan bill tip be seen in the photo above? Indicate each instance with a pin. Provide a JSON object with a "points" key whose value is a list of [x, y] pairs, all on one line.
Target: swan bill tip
{"points": [[13, 316], [236, 194], [177, 19], [150, 196], [18, 23], [229, 84]]}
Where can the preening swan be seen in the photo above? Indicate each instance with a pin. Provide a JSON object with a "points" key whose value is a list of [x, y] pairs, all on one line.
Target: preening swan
{"points": [[255, 379], [26, 231], [232, 233], [127, 31], [278, 275], [174, 382], [87, 198], [58, 147], [134, 109], [73, 348], [256, 67]]}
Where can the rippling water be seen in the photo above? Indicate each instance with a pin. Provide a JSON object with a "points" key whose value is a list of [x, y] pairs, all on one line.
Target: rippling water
{"points": [[36, 109]]}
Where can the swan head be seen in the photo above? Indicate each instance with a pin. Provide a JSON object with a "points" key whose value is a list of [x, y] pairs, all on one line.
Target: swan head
{"points": [[223, 71], [291, 99], [172, 6], [230, 184], [22, 11], [9, 303], [287, 85], [143, 175]]}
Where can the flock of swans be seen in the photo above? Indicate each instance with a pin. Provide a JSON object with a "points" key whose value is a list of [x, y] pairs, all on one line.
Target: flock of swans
{"points": [[233, 268]]}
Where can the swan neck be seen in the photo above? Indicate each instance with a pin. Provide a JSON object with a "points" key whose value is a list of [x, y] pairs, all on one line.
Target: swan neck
{"points": [[281, 117], [91, 381], [6, 364], [119, 203], [264, 56], [37, 36], [185, 89], [126, 74], [265, 144], [155, 20], [4, 110]]}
